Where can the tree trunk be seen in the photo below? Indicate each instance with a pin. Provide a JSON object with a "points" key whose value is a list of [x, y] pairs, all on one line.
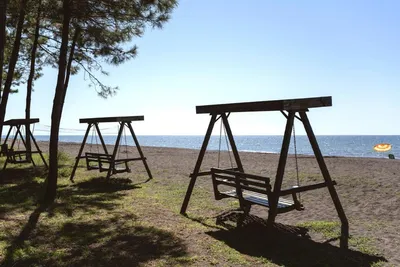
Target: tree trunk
{"points": [[51, 187], [3, 9], [30, 79], [12, 64]]}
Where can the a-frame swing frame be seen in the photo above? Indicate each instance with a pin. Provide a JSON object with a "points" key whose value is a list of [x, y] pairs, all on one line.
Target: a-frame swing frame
{"points": [[17, 124], [292, 107], [123, 122]]}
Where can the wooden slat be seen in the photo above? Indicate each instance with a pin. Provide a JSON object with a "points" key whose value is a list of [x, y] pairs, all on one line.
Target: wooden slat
{"points": [[129, 159], [209, 172], [14, 122], [304, 188], [241, 180], [260, 199], [241, 174], [272, 105], [112, 119]]}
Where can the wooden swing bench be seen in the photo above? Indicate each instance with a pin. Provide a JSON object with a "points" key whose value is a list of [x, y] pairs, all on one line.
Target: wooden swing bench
{"points": [[110, 162], [14, 154], [252, 189], [102, 162]]}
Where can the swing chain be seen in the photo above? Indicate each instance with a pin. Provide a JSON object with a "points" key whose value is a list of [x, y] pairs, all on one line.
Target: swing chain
{"points": [[295, 156]]}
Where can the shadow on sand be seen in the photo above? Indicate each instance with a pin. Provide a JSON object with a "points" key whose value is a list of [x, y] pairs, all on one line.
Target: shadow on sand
{"points": [[284, 245]]}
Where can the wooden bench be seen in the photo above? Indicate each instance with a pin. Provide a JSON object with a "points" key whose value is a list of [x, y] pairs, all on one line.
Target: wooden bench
{"points": [[13, 156], [102, 162], [250, 190]]}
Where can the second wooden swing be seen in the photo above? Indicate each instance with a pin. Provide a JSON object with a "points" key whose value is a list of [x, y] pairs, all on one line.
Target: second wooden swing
{"points": [[254, 189]]}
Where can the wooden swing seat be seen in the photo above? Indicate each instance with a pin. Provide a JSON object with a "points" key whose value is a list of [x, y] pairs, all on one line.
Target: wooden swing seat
{"points": [[102, 162], [250, 189], [17, 157]]}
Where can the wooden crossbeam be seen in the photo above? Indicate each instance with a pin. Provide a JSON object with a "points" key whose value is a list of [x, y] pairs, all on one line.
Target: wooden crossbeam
{"points": [[15, 122], [112, 119], [273, 105]]}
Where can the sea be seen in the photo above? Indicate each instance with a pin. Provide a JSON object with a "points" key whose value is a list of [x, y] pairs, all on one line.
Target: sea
{"points": [[330, 145]]}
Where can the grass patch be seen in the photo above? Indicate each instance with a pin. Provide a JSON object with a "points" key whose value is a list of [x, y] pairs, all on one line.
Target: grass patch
{"points": [[327, 229], [331, 230]]}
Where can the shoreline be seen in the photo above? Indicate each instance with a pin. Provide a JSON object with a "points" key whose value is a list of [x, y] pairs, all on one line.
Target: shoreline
{"points": [[290, 155]]}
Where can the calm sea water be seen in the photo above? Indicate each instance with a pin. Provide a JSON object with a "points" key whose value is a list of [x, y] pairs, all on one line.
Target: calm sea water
{"points": [[331, 145]]}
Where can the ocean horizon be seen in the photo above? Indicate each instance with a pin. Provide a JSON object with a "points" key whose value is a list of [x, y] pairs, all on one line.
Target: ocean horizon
{"points": [[330, 145]]}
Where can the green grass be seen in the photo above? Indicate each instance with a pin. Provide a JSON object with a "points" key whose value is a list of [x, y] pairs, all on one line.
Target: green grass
{"points": [[331, 230]]}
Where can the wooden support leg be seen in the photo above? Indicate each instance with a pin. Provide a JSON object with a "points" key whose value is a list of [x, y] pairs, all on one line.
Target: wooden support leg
{"points": [[196, 170], [139, 150], [38, 149], [4, 146], [232, 142], [80, 152], [28, 154], [112, 163], [273, 200], [325, 173], [96, 124], [15, 138], [12, 145], [8, 134]]}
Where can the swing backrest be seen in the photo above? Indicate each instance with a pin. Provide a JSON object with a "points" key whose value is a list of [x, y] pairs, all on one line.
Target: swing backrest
{"points": [[240, 181]]}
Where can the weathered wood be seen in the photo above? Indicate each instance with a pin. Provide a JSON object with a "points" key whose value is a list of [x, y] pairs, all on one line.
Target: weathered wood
{"points": [[140, 150], [304, 188], [273, 105], [233, 172], [196, 170], [11, 154], [105, 157], [344, 239], [112, 119], [15, 122], [281, 170], [114, 154], [80, 152]]}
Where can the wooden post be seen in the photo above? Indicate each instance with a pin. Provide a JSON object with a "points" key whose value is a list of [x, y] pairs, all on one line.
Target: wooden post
{"points": [[15, 138], [38, 149], [274, 199], [114, 154], [8, 134], [139, 150], [80, 152], [232, 142], [96, 124], [196, 170], [325, 173], [6, 162]]}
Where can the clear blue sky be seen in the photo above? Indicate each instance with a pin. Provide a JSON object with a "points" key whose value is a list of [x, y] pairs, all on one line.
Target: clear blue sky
{"points": [[219, 51]]}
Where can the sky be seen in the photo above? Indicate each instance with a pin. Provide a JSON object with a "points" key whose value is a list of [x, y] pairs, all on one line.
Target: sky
{"points": [[220, 51]]}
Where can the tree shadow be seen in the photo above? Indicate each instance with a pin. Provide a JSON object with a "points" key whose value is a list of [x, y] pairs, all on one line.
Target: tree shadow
{"points": [[284, 245], [91, 196], [21, 175], [20, 189], [108, 242], [103, 185]]}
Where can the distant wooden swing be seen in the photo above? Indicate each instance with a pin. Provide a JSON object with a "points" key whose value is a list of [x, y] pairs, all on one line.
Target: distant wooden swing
{"points": [[105, 162], [253, 189], [19, 156]]}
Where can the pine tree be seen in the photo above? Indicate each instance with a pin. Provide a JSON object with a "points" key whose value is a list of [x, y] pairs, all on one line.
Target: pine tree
{"points": [[92, 31]]}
